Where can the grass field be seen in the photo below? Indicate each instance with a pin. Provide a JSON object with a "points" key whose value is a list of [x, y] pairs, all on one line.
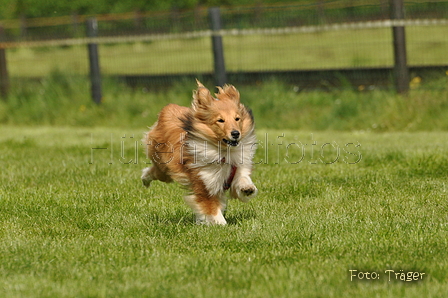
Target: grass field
{"points": [[332, 49], [76, 222], [370, 196]]}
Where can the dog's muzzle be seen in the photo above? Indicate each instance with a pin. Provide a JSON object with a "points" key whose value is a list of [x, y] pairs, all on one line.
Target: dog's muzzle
{"points": [[231, 143], [234, 140]]}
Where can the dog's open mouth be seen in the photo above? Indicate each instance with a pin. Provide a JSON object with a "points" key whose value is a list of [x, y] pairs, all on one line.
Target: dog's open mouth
{"points": [[230, 143]]}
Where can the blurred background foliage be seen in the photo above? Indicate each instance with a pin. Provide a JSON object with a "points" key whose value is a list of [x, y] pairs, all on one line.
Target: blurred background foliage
{"points": [[47, 8], [13, 9]]}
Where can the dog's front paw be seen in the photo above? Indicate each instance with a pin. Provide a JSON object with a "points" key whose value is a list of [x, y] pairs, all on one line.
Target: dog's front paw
{"points": [[249, 191], [245, 192]]}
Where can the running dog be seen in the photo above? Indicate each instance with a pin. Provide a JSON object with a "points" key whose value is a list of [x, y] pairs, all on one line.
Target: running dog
{"points": [[207, 148]]}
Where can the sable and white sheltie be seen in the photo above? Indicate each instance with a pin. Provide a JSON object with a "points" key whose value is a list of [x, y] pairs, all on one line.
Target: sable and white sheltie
{"points": [[207, 148]]}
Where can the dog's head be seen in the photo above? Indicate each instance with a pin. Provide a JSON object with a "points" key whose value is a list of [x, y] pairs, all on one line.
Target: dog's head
{"points": [[223, 118]]}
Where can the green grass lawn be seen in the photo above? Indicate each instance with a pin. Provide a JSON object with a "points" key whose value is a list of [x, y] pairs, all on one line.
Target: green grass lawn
{"points": [[322, 50], [76, 222]]}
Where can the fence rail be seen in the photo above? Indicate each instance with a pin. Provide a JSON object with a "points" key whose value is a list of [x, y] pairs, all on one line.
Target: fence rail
{"points": [[224, 32]]}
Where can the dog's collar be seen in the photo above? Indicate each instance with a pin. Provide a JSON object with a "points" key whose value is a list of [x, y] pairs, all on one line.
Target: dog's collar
{"points": [[229, 180]]}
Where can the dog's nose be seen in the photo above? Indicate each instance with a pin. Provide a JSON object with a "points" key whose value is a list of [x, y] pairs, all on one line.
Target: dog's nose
{"points": [[235, 134]]}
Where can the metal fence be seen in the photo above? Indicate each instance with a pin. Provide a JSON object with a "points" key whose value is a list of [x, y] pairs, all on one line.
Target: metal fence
{"points": [[310, 43]]}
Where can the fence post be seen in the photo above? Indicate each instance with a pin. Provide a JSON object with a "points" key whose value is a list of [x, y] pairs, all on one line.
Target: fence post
{"points": [[401, 71], [4, 78], [94, 61], [218, 50]]}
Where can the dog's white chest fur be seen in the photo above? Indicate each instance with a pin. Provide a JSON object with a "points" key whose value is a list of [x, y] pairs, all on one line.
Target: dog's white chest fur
{"points": [[215, 176], [215, 163]]}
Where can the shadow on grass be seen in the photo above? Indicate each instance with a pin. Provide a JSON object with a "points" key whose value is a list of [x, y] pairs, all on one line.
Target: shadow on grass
{"points": [[174, 217], [183, 217], [239, 216]]}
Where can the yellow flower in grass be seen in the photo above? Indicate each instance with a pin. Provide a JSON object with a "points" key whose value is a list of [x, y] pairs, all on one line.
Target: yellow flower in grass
{"points": [[415, 82]]}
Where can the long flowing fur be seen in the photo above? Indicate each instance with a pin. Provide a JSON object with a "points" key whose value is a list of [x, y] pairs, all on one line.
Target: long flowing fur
{"points": [[203, 148]]}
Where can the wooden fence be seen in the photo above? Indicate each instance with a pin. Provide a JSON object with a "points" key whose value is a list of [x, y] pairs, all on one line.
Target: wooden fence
{"points": [[396, 22]]}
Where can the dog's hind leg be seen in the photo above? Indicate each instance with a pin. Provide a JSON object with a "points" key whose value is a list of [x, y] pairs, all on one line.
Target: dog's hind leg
{"points": [[154, 173], [146, 177]]}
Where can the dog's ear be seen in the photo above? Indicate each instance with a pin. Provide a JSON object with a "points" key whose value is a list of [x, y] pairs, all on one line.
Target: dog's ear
{"points": [[201, 97], [199, 83], [229, 92]]}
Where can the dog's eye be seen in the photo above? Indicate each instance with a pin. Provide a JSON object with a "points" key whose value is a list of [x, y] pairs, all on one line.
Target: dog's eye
{"points": [[221, 120], [237, 119]]}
